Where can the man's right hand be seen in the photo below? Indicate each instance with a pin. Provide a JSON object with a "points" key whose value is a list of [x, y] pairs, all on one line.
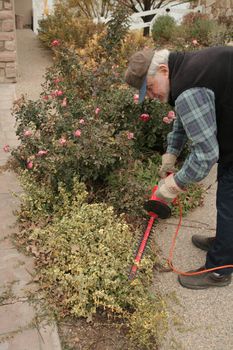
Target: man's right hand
{"points": [[168, 165]]}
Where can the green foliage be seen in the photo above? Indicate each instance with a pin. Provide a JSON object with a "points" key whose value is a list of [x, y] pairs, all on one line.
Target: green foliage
{"points": [[117, 29], [39, 204], [189, 200], [119, 108], [130, 187], [92, 154], [163, 28]]}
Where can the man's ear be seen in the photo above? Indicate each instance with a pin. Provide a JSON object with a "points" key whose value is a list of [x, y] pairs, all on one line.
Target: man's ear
{"points": [[163, 68]]}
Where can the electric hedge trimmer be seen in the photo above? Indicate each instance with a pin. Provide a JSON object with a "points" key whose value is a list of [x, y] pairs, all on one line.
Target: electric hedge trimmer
{"points": [[157, 209]]}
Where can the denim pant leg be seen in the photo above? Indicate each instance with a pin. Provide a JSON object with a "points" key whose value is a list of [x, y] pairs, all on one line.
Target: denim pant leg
{"points": [[222, 250]]}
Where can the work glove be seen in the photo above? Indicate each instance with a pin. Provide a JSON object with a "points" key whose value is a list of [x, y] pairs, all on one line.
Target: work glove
{"points": [[168, 165], [168, 189]]}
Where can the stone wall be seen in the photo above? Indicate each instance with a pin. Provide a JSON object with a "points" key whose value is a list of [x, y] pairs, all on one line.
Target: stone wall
{"points": [[217, 8], [7, 42]]}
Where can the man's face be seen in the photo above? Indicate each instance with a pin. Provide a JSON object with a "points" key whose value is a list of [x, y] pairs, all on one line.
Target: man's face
{"points": [[158, 86]]}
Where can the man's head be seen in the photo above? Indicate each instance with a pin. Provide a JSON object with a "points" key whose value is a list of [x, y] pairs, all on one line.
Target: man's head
{"points": [[148, 71]]}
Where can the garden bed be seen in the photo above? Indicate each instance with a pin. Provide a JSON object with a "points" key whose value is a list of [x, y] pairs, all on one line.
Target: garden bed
{"points": [[89, 157]]}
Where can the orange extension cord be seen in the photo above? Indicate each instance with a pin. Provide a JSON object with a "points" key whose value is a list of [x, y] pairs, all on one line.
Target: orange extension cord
{"points": [[170, 258]]}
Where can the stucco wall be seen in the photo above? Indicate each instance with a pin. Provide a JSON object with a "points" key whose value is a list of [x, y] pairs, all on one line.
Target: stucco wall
{"points": [[24, 8]]}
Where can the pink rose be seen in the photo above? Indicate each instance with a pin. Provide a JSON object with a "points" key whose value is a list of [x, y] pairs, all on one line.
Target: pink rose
{"points": [[77, 133], [45, 97], [97, 110], [42, 153], [55, 42], [27, 133], [171, 115], [62, 141], [58, 92], [30, 164], [130, 135], [166, 120], [136, 98], [81, 121], [64, 102], [144, 117], [6, 148], [56, 80]]}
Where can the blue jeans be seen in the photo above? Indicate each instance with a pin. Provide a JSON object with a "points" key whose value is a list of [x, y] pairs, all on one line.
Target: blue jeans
{"points": [[222, 251]]}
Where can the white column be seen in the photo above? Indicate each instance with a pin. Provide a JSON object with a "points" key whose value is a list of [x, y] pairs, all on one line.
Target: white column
{"points": [[40, 9]]}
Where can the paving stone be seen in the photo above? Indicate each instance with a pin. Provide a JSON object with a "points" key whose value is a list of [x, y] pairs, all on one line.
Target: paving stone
{"points": [[27, 340], [44, 339], [9, 183], [8, 204], [15, 316], [19, 272]]}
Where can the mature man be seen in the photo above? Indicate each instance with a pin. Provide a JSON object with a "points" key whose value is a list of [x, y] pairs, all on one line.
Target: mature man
{"points": [[200, 86]]}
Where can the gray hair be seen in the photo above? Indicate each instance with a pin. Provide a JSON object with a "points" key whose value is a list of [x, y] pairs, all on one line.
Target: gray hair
{"points": [[160, 57]]}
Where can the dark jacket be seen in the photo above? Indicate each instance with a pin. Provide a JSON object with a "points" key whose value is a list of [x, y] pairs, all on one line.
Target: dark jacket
{"points": [[211, 68]]}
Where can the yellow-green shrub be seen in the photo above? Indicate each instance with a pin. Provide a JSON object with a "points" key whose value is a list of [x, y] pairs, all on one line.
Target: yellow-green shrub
{"points": [[83, 263]]}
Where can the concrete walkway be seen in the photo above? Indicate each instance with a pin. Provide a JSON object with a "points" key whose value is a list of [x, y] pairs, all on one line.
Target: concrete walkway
{"points": [[19, 325], [199, 319]]}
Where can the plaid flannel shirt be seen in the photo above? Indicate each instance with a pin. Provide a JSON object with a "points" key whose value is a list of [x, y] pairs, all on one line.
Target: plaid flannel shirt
{"points": [[196, 122]]}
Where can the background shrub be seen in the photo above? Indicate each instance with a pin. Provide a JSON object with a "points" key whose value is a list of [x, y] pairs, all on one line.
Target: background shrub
{"points": [[197, 26], [163, 28], [67, 25]]}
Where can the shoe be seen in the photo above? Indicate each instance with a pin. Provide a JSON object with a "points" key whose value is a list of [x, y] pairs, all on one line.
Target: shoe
{"points": [[205, 280], [203, 242]]}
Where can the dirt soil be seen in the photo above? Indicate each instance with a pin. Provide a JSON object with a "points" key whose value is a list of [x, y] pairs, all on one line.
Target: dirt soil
{"points": [[97, 335]]}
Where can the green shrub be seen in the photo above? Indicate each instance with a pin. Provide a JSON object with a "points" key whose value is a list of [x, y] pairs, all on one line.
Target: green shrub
{"points": [[218, 35], [129, 188], [163, 28], [198, 27], [117, 28]]}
